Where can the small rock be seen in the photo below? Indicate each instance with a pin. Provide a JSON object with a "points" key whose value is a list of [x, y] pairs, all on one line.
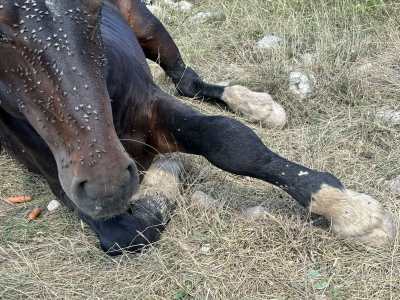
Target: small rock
{"points": [[208, 16], [53, 205], [181, 5], [270, 41], [205, 249], [389, 116], [395, 185], [300, 84], [255, 212], [184, 6], [203, 200]]}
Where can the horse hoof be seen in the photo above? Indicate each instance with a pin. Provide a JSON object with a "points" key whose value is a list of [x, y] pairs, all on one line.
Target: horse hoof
{"points": [[355, 216], [258, 107]]}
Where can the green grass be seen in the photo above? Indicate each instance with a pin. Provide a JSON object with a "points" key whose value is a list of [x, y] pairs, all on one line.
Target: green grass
{"points": [[281, 256]]}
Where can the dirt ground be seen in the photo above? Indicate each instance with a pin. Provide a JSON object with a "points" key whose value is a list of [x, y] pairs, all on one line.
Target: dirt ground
{"points": [[351, 50]]}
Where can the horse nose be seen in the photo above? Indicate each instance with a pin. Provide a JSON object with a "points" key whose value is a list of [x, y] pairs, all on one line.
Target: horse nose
{"points": [[108, 194], [114, 186]]}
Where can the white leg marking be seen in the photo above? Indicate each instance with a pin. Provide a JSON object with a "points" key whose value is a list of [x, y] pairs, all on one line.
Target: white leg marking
{"points": [[258, 107], [354, 215], [162, 183]]}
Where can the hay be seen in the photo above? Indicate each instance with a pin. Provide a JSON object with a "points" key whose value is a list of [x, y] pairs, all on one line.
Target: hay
{"points": [[280, 256]]}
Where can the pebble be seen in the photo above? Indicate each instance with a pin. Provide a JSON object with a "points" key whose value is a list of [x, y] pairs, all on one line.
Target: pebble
{"points": [[53, 205], [270, 41], [181, 5], [205, 249], [300, 84], [208, 16]]}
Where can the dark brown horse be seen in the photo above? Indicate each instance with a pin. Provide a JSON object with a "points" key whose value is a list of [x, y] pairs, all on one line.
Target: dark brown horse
{"points": [[79, 106]]}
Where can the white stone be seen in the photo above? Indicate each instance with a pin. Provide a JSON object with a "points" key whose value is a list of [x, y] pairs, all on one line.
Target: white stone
{"points": [[270, 41], [300, 84], [206, 16], [203, 200], [255, 212], [389, 116], [53, 205], [205, 249], [181, 5], [184, 6]]}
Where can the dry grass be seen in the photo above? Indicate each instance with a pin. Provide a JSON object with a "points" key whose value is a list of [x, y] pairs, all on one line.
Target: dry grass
{"points": [[281, 256]]}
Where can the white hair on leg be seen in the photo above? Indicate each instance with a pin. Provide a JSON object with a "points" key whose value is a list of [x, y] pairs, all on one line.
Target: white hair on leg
{"points": [[354, 215], [258, 107], [161, 184]]}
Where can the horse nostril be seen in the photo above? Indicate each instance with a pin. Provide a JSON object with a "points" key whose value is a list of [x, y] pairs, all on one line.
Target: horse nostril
{"points": [[132, 170], [107, 194], [79, 189], [132, 180]]}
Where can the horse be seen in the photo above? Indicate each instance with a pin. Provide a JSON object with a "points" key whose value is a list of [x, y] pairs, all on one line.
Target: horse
{"points": [[78, 105]]}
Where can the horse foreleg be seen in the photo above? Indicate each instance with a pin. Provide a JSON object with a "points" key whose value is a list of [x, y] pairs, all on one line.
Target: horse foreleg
{"points": [[235, 148]]}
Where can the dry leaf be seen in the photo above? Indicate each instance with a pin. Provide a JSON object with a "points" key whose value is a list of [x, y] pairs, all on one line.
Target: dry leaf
{"points": [[18, 199], [34, 214]]}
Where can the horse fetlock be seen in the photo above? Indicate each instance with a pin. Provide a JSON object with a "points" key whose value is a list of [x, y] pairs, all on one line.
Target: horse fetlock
{"points": [[354, 215], [154, 207], [258, 107], [160, 187]]}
